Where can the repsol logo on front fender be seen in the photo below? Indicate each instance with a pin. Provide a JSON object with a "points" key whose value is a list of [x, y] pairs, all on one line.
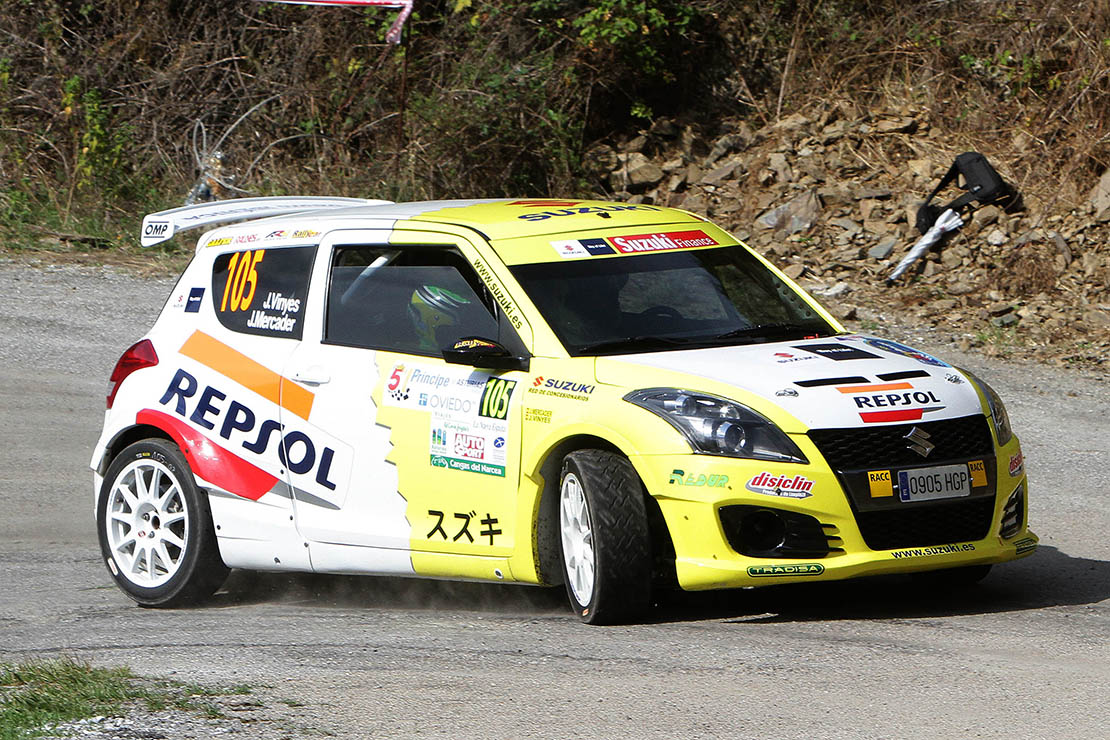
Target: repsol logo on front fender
{"points": [[210, 408]]}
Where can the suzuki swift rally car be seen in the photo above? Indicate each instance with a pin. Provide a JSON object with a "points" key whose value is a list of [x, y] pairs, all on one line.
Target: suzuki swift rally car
{"points": [[612, 396]]}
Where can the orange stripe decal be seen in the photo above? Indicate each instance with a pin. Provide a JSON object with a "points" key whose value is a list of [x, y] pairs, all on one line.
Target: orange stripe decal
{"points": [[213, 353], [875, 387]]}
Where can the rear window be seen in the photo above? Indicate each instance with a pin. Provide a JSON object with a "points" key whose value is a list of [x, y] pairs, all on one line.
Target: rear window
{"points": [[263, 291]]}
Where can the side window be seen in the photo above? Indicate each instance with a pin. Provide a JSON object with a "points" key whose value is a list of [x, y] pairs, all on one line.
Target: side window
{"points": [[263, 291], [415, 300]]}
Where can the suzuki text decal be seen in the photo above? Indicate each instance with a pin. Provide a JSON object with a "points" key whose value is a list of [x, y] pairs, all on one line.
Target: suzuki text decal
{"points": [[658, 242]]}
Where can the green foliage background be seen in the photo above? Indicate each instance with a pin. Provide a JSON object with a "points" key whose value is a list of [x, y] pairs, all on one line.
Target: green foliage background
{"points": [[106, 106]]}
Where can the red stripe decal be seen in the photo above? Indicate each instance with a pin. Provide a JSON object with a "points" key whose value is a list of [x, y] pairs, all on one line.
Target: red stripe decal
{"points": [[210, 461], [870, 417]]}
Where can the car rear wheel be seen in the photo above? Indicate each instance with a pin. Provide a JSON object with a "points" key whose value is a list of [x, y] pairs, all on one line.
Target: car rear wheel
{"points": [[155, 528], [604, 540]]}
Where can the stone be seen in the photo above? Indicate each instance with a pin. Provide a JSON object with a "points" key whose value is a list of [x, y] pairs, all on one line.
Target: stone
{"points": [[996, 238], [796, 215], [794, 271], [883, 249], [1100, 197], [777, 162], [722, 173]]}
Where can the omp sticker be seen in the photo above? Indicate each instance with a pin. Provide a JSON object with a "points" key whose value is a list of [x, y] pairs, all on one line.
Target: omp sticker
{"points": [[787, 486], [216, 355], [880, 482], [663, 241], [978, 470]]}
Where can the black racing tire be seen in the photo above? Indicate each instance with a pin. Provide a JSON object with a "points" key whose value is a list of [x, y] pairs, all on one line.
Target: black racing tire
{"points": [[604, 541], [155, 528]]}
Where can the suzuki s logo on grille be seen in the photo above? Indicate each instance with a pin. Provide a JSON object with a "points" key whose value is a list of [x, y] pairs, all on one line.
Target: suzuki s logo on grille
{"points": [[918, 441]]}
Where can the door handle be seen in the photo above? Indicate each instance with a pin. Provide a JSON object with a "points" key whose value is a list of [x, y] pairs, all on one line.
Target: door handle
{"points": [[312, 376]]}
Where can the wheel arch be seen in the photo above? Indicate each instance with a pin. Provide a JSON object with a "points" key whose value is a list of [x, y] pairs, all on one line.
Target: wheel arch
{"points": [[546, 535], [129, 436]]}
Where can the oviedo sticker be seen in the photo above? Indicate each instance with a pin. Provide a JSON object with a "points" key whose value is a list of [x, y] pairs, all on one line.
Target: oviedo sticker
{"points": [[468, 410], [262, 291]]}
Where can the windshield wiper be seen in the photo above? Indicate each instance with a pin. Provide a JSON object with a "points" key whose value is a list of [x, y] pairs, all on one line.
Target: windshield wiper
{"points": [[772, 331], [632, 344]]}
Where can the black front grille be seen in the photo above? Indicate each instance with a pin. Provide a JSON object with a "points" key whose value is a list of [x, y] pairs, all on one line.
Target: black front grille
{"points": [[872, 448], [932, 524]]}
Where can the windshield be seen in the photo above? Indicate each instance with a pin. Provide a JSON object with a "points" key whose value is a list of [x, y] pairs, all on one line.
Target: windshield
{"points": [[652, 302]]}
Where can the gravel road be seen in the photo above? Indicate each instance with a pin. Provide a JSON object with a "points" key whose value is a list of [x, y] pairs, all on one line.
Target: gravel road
{"points": [[1026, 653]]}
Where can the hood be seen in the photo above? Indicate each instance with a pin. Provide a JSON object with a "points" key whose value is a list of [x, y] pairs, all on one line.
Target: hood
{"points": [[834, 382]]}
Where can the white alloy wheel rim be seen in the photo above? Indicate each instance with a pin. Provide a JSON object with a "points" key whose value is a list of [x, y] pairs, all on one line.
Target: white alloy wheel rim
{"points": [[147, 523], [578, 539]]}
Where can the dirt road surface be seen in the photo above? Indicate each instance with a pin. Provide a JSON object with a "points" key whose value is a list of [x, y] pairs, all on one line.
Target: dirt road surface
{"points": [[1026, 653]]}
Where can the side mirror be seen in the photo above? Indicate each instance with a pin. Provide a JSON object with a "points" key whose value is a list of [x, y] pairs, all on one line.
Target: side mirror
{"points": [[483, 353]]}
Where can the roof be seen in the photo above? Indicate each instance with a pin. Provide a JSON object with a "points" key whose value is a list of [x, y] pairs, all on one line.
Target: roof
{"points": [[494, 219]]}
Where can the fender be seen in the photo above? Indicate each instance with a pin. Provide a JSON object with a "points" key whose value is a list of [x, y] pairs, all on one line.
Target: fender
{"points": [[210, 461]]}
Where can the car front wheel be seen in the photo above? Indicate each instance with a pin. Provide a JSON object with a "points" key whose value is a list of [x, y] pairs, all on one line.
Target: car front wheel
{"points": [[155, 528], [604, 540]]}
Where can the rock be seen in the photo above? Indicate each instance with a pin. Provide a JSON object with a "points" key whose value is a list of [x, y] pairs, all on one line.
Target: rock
{"points": [[996, 238], [729, 143], [600, 160], [921, 167], [831, 291], [797, 214], [777, 162], [883, 249], [1005, 320], [871, 193], [1100, 197], [845, 223], [637, 173], [904, 125], [794, 271], [722, 173]]}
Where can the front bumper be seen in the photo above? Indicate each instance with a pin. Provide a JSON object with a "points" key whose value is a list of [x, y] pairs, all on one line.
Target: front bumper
{"points": [[725, 517]]}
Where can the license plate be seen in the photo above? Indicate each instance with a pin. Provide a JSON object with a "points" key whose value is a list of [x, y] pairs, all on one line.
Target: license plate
{"points": [[927, 484]]}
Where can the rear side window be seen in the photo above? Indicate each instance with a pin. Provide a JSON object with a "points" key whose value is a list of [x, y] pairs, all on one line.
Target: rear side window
{"points": [[416, 300], [263, 291]]}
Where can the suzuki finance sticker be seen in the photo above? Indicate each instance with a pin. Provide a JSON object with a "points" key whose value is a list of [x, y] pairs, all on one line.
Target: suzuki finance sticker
{"points": [[469, 414]]}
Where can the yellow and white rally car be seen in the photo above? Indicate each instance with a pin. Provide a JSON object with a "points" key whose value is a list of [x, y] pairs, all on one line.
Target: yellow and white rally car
{"points": [[617, 397]]}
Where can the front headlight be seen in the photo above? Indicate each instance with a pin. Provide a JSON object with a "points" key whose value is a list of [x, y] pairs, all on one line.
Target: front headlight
{"points": [[999, 418], [718, 426]]}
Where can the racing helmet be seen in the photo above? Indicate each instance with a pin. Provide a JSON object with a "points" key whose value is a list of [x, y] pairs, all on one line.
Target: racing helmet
{"points": [[432, 307]]}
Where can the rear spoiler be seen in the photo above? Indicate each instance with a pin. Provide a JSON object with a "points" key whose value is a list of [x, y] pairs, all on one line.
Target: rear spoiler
{"points": [[158, 227]]}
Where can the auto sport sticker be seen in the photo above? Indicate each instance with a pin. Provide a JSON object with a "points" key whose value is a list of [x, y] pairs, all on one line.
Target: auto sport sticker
{"points": [[658, 242], [1017, 464], [900, 401], [468, 413], [787, 486]]}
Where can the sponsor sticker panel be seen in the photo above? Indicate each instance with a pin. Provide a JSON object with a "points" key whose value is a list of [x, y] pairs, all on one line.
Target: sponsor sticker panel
{"points": [[468, 414]]}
